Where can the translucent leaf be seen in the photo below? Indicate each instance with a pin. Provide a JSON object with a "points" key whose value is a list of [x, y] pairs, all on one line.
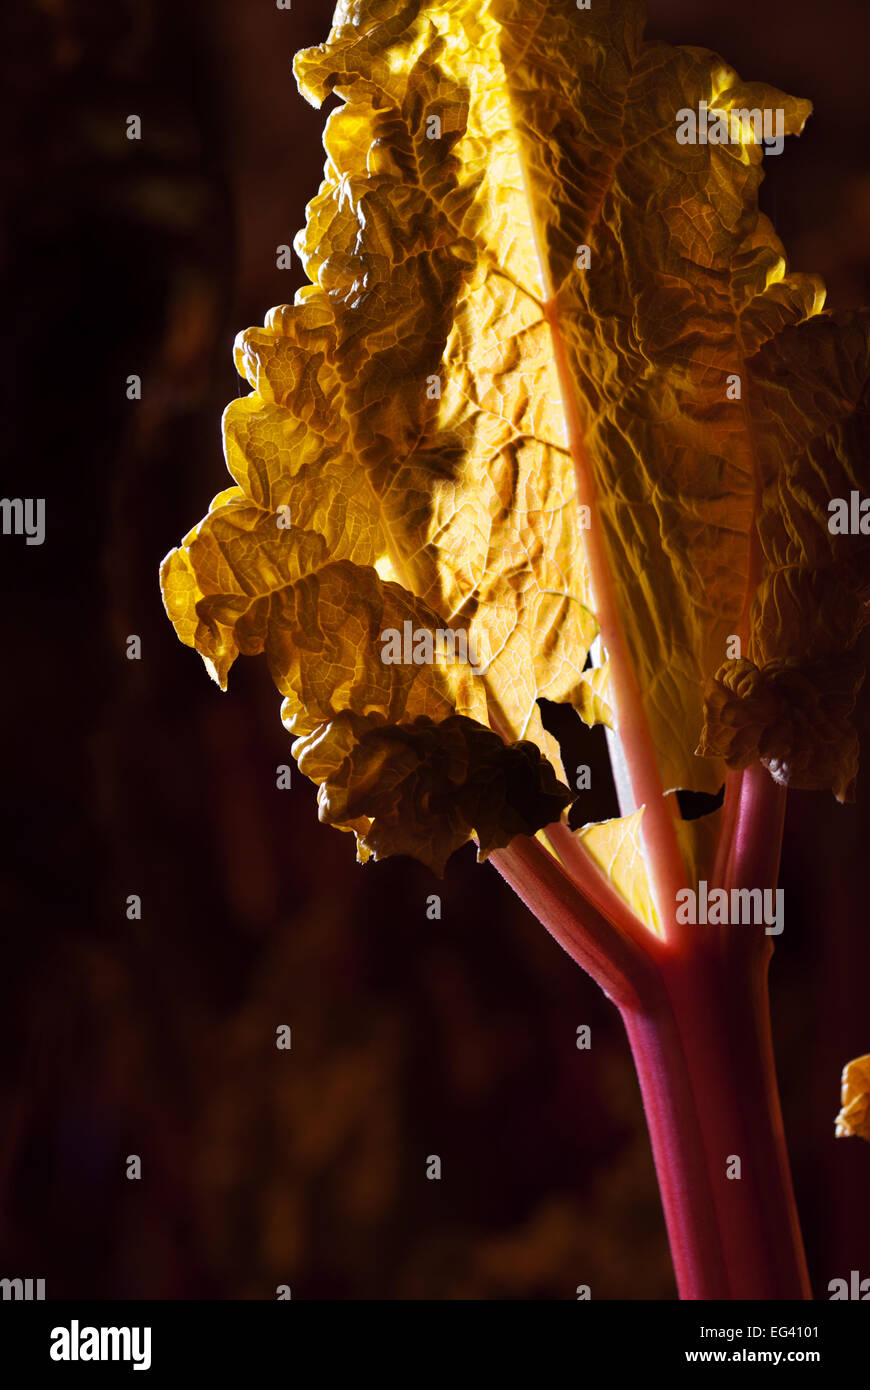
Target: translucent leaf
{"points": [[615, 846], [519, 275]]}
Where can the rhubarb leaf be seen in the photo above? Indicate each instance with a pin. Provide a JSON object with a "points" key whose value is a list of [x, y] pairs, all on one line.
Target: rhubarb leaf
{"points": [[526, 291]]}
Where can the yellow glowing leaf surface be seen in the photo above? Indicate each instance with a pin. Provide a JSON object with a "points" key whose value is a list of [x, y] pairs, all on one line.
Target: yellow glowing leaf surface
{"points": [[504, 193], [854, 1117]]}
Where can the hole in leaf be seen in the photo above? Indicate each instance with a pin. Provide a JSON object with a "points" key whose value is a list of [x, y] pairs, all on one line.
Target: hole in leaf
{"points": [[694, 805], [582, 747]]}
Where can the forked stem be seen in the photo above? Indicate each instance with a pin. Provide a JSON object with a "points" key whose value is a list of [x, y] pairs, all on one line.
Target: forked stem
{"points": [[696, 1012]]}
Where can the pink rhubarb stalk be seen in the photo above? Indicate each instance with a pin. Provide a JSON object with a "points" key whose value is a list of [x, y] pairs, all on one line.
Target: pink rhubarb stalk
{"points": [[695, 1008]]}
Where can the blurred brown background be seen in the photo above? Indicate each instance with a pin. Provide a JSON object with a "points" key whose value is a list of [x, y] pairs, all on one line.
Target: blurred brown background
{"points": [[410, 1037]]}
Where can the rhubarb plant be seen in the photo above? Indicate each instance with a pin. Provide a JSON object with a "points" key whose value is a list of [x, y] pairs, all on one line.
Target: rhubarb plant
{"points": [[553, 403]]}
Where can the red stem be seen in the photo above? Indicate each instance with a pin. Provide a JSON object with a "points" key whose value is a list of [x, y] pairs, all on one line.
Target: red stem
{"points": [[725, 845], [715, 1027], [679, 1153], [696, 1012], [758, 831], [597, 888], [613, 961], [717, 985]]}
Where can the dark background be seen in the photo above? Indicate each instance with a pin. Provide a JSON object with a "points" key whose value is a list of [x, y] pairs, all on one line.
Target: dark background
{"points": [[410, 1037]]}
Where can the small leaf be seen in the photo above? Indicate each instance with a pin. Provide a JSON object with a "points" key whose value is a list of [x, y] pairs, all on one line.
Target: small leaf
{"points": [[795, 719], [854, 1117]]}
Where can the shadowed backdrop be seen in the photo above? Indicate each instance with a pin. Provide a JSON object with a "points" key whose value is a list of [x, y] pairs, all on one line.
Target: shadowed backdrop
{"points": [[410, 1037]]}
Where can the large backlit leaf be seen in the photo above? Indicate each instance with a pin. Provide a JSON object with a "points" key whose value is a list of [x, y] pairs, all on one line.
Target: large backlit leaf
{"points": [[421, 409]]}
